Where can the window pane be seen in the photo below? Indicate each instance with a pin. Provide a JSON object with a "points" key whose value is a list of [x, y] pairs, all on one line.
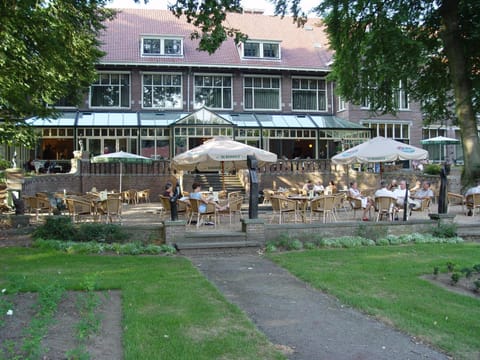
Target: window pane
{"points": [[251, 49]]}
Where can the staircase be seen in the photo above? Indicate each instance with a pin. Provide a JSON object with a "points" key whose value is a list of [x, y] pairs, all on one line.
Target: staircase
{"points": [[232, 183]]}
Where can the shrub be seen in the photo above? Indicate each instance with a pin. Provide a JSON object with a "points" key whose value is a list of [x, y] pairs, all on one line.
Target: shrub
{"points": [[432, 169], [56, 228], [309, 245], [455, 277], [295, 245], [444, 230], [467, 272], [270, 247], [476, 283], [107, 233], [450, 266], [371, 232]]}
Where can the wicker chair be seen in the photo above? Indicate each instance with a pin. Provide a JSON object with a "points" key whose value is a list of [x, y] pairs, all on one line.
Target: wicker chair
{"points": [[210, 212], [473, 202], [111, 208], [234, 208], [282, 206], [384, 207], [323, 206]]}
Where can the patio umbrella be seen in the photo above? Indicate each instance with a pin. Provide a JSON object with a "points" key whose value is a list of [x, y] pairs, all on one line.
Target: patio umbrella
{"points": [[121, 158], [380, 149], [221, 153], [440, 140]]}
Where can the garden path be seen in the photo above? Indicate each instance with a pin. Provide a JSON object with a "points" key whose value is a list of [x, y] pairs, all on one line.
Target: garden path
{"points": [[307, 324]]}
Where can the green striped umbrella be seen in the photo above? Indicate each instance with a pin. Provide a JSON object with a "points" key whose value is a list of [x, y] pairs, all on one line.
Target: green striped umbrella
{"points": [[121, 157]]}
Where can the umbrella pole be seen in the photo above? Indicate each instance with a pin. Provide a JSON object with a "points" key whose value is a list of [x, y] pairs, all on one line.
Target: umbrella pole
{"points": [[121, 165], [223, 175]]}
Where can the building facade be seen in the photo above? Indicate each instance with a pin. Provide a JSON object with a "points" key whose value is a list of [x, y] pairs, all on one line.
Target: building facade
{"points": [[157, 95]]}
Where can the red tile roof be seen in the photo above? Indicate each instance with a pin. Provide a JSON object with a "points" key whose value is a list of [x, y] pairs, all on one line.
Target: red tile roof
{"points": [[301, 48]]}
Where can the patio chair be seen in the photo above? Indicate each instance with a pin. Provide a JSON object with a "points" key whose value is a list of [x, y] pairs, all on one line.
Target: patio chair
{"points": [[111, 208], [80, 209], [323, 206], [143, 195], [267, 194], [456, 199], [473, 202], [424, 206], [355, 204], [182, 207], [130, 196], [234, 208], [210, 212], [384, 207], [282, 206]]}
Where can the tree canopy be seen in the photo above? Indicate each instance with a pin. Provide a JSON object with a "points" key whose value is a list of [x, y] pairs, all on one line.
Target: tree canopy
{"points": [[48, 52], [429, 47]]}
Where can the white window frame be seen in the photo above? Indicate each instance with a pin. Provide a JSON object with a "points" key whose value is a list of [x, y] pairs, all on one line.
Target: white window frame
{"points": [[204, 75], [262, 77], [401, 98], [110, 73], [178, 106], [397, 128], [342, 105], [162, 47], [318, 91], [261, 50]]}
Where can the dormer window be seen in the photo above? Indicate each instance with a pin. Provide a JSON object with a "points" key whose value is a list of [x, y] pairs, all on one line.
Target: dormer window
{"points": [[261, 49], [162, 46]]}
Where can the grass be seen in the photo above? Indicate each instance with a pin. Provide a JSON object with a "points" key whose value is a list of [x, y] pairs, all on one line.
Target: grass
{"points": [[385, 282], [169, 310]]}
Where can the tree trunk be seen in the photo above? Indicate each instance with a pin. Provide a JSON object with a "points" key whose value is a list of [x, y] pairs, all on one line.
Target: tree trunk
{"points": [[462, 86]]}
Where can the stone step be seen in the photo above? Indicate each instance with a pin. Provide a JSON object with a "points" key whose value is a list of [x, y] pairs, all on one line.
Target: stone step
{"points": [[216, 245]]}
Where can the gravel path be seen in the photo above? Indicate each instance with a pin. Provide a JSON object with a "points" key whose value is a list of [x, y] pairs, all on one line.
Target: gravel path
{"points": [[309, 323]]}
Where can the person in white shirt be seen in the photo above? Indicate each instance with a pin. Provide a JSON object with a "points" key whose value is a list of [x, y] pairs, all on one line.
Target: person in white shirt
{"points": [[424, 193], [473, 190], [383, 191], [366, 202], [318, 187], [400, 193], [469, 198]]}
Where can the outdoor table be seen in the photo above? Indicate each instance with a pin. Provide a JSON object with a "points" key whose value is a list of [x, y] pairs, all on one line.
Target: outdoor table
{"points": [[302, 205]]}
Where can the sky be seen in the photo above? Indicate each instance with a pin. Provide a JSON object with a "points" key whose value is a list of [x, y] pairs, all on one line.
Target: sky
{"points": [[247, 4]]}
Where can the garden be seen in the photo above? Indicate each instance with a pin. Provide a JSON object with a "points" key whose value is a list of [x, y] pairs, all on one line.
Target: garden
{"points": [[87, 299]]}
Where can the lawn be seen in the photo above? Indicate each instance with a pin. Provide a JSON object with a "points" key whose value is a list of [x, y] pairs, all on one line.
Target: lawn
{"points": [[169, 310], [384, 281]]}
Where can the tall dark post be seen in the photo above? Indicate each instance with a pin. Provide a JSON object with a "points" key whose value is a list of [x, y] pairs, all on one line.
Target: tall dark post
{"points": [[173, 203], [442, 196], [405, 203], [253, 201]]}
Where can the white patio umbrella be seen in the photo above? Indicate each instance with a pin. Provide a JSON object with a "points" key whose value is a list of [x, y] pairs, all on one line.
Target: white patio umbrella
{"points": [[221, 153], [380, 149], [121, 158], [440, 140]]}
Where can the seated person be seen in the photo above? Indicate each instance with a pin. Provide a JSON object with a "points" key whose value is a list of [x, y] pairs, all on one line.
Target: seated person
{"points": [[168, 190], [366, 202], [423, 193], [308, 186], [383, 191], [473, 190], [196, 194], [331, 188], [400, 193], [468, 197], [393, 185], [318, 187]]}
